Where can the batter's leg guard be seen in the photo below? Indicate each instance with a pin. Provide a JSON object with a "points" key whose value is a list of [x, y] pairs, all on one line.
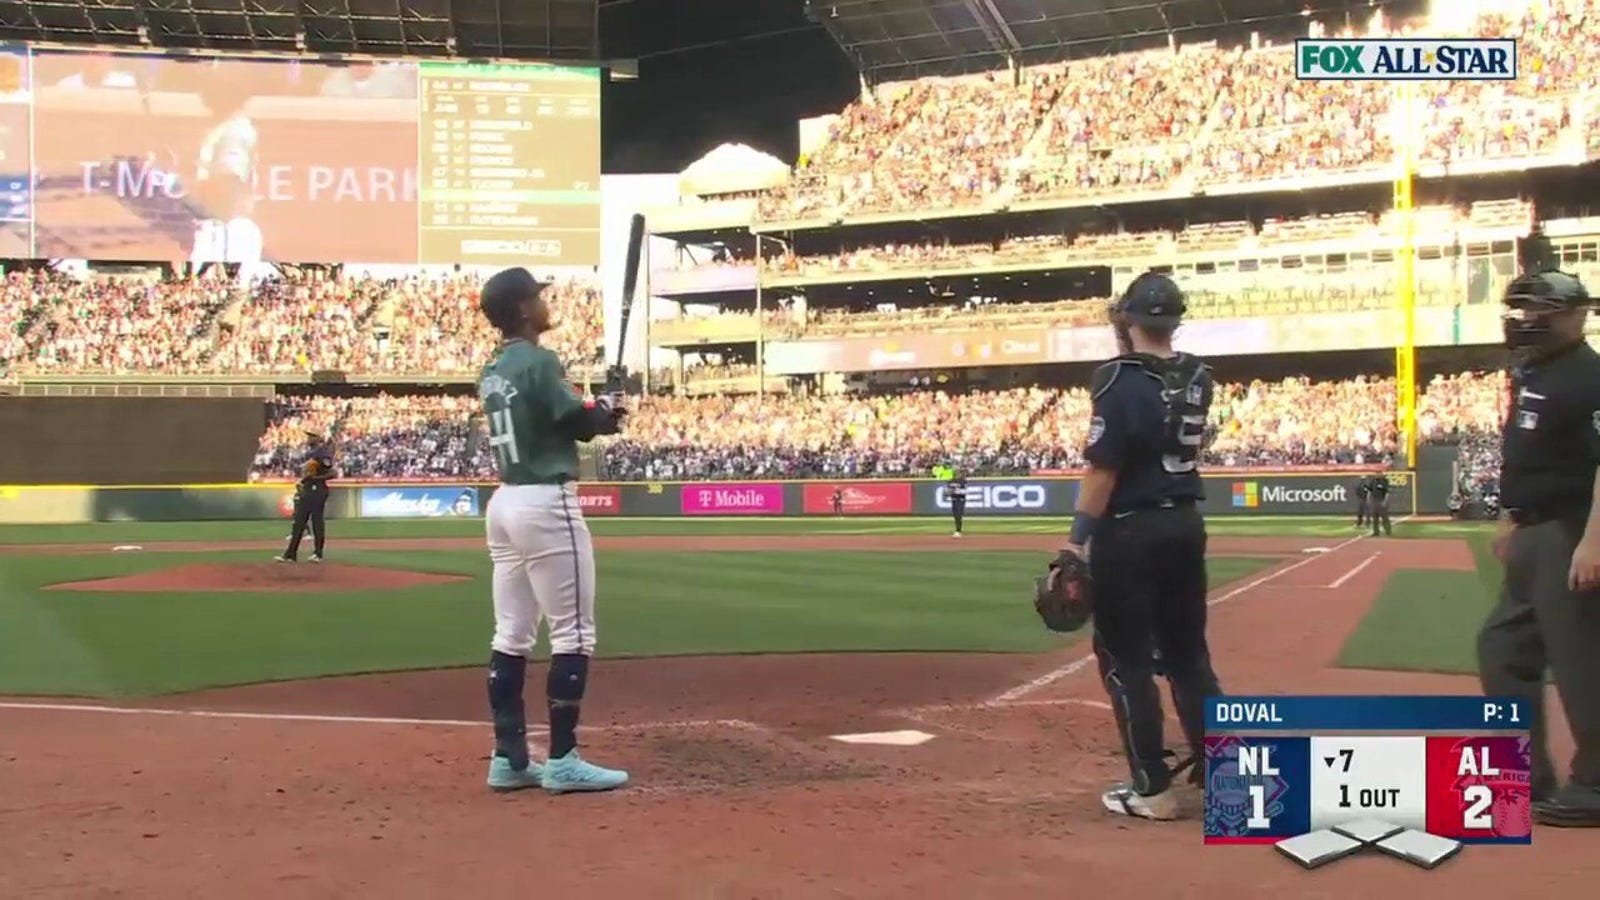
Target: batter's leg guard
{"points": [[1136, 705], [506, 676], [564, 687]]}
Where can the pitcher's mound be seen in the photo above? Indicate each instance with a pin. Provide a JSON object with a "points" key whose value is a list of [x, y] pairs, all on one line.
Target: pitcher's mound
{"points": [[262, 578]]}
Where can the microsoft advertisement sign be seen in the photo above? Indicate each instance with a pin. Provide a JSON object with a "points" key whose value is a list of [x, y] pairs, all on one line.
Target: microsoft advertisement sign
{"points": [[1310, 495]]}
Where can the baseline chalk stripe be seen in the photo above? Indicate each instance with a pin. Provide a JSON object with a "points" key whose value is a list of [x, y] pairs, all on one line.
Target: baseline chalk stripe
{"points": [[908, 738], [1355, 570], [1082, 662], [89, 708]]}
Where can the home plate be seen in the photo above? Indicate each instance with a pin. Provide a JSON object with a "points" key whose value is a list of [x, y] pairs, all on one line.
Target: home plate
{"points": [[1317, 550], [886, 738]]}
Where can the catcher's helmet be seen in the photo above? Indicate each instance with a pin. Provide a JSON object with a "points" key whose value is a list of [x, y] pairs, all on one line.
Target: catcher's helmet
{"points": [[1532, 298], [1153, 300], [503, 295]]}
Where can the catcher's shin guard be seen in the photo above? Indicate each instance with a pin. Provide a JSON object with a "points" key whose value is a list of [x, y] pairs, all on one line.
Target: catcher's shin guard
{"points": [[1136, 705], [1191, 684]]}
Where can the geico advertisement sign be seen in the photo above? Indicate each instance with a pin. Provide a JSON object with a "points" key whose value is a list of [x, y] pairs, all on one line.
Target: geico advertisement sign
{"points": [[997, 496], [1277, 493]]}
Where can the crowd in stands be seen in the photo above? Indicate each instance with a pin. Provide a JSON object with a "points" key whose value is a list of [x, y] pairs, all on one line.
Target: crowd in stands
{"points": [[1291, 298], [1444, 225], [1199, 115], [59, 324], [1440, 224], [386, 436], [1467, 410], [1292, 422]]}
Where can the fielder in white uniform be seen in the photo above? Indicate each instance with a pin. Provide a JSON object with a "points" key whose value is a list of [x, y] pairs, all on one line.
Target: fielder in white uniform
{"points": [[543, 555]]}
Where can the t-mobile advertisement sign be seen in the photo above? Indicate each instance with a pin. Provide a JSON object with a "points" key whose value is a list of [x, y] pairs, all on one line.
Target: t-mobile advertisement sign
{"points": [[732, 499]]}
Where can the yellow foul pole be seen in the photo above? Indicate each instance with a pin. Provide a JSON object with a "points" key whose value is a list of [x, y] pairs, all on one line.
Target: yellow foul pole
{"points": [[1405, 358]]}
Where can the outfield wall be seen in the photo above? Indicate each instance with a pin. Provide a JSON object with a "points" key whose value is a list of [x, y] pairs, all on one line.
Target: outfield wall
{"points": [[1264, 493], [128, 440]]}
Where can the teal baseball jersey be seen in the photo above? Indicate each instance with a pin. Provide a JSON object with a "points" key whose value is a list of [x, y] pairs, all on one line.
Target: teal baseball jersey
{"points": [[526, 396]]}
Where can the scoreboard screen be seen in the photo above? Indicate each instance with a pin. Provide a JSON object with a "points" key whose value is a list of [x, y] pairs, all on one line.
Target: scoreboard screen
{"points": [[510, 156], [1324, 777], [143, 156]]}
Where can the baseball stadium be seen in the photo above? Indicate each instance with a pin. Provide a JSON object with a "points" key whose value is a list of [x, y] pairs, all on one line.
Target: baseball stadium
{"points": [[840, 273]]}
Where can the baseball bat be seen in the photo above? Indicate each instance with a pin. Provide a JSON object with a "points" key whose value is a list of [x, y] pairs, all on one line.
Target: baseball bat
{"points": [[617, 375]]}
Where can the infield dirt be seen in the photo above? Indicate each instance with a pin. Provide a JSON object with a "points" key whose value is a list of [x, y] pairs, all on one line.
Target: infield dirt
{"points": [[312, 789], [260, 578]]}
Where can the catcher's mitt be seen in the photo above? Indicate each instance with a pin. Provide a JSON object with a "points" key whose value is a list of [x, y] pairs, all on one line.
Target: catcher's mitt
{"points": [[1064, 607]]}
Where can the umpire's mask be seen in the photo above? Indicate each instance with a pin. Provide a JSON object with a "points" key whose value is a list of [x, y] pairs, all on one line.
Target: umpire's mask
{"points": [[1533, 303]]}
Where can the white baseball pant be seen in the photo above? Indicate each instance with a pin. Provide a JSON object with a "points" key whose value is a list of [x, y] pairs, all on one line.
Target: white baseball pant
{"points": [[543, 568]]}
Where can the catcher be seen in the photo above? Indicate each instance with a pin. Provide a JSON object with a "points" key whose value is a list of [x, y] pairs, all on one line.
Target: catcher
{"points": [[310, 499], [1136, 556]]}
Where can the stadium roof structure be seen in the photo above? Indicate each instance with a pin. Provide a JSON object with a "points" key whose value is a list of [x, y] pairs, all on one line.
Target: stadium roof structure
{"points": [[509, 29], [891, 40]]}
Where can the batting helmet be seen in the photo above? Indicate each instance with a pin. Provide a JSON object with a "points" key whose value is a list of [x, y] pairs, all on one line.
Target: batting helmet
{"points": [[503, 295]]}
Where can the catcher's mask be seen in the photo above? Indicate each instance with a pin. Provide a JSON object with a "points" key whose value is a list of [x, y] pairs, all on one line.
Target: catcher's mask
{"points": [[1152, 301], [1533, 302]]}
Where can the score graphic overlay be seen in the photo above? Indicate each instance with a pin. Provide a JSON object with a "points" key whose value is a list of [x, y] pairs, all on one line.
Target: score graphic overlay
{"points": [[1322, 777]]}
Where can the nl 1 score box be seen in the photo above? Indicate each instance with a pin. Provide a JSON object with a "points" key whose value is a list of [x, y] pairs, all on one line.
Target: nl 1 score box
{"points": [[1347, 772]]}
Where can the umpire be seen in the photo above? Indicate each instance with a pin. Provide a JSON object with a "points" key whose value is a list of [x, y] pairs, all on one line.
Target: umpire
{"points": [[1378, 503], [1548, 615], [1361, 501], [310, 499], [1145, 540]]}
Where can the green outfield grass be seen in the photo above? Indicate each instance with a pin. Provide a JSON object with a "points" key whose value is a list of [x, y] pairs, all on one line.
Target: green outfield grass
{"points": [[259, 530], [1428, 621], [650, 604]]}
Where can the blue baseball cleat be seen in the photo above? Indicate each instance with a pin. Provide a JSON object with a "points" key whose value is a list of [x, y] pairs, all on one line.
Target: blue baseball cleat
{"points": [[503, 778], [571, 774]]}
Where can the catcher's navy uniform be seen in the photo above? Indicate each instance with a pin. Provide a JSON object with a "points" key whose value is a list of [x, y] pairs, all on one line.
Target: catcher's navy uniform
{"points": [[1147, 561]]}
